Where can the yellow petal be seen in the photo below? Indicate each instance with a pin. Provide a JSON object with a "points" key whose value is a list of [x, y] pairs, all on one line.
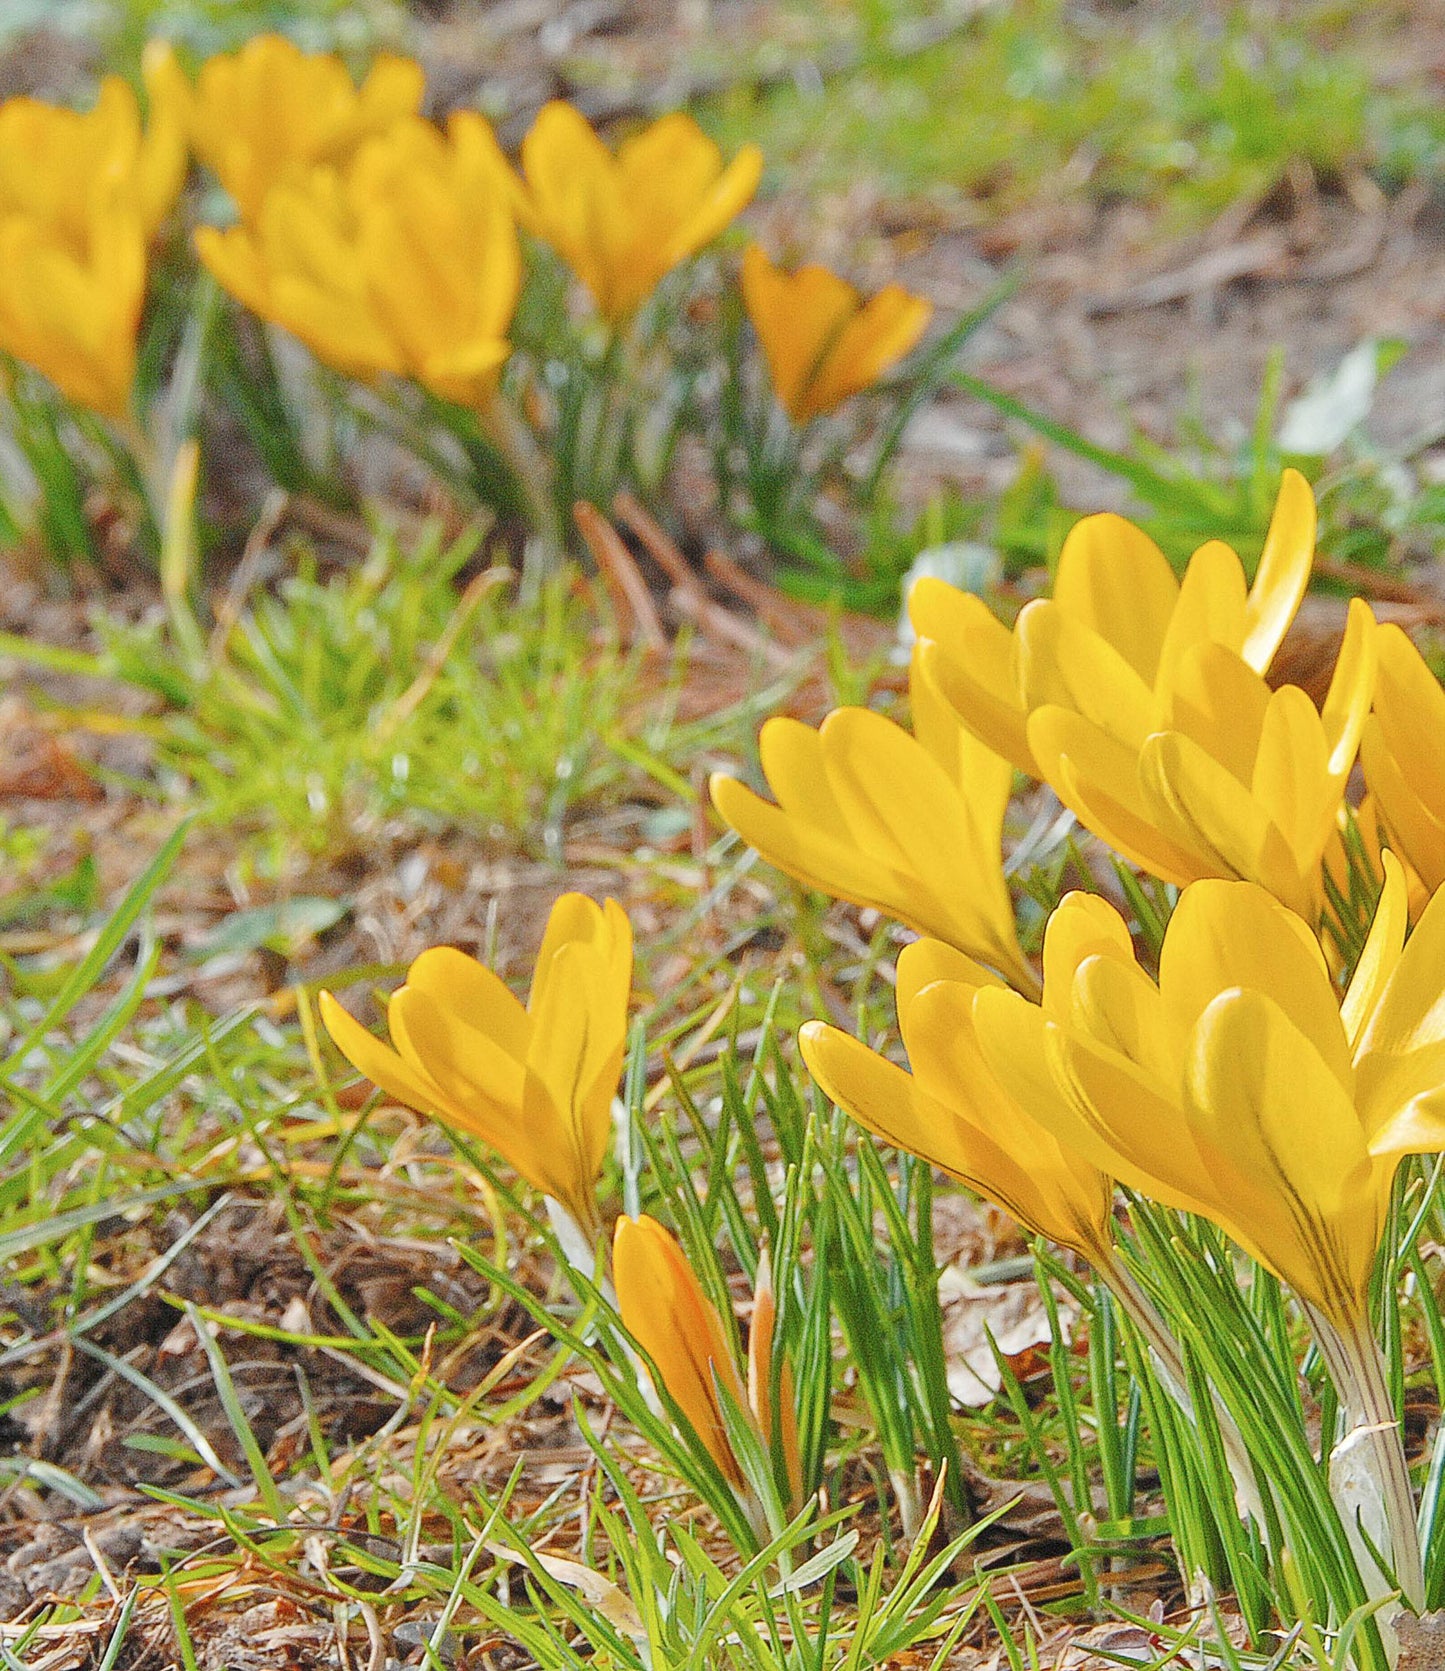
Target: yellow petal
{"points": [[1415, 1124], [1283, 573], [1212, 816], [666, 1312], [1235, 934], [573, 917], [971, 659], [1352, 688], [804, 835], [481, 1083], [1260, 1090], [1210, 608], [952, 1113], [1410, 704], [1383, 946], [1292, 782], [983, 776], [923, 962], [886, 1100], [900, 806], [578, 1015], [450, 978], [877, 336], [1113, 578], [797, 316], [1121, 1010], [1020, 1048], [1066, 663], [721, 204], [1220, 702], [1082, 925], [402, 1081], [1097, 778], [1410, 1012], [1124, 1120], [1414, 827], [394, 87]]}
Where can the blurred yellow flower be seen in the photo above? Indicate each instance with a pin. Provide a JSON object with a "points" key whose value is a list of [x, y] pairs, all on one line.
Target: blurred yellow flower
{"points": [[270, 111], [821, 340], [909, 825], [1240, 1086], [60, 168], [536, 1084], [405, 262], [81, 193], [1142, 702], [1400, 753], [73, 314], [622, 222], [664, 1309], [955, 1114]]}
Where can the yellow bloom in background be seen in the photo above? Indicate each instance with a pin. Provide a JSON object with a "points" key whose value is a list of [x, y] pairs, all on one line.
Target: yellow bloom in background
{"points": [[1400, 752], [271, 111], [535, 1084], [405, 262], [1119, 618], [821, 340], [81, 194], [955, 1114], [664, 1309], [623, 221], [74, 314], [911, 826], [1239, 1086], [59, 168]]}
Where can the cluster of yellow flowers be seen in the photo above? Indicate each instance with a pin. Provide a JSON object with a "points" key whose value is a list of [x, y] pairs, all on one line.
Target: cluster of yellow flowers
{"points": [[384, 242], [1241, 1085], [1246, 1081]]}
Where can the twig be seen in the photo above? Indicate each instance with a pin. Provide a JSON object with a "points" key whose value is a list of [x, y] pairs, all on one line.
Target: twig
{"points": [[793, 622], [689, 596], [621, 575], [1261, 256]]}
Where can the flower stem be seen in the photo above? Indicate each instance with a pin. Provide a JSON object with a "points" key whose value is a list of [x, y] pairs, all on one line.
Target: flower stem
{"points": [[518, 445], [1169, 1365], [1369, 1478]]}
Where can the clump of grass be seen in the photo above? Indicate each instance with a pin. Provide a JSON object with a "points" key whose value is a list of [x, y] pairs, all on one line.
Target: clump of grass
{"points": [[351, 697]]}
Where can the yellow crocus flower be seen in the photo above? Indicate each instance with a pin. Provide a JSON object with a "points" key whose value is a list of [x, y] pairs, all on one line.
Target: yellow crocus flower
{"points": [[271, 111], [1142, 701], [1119, 611], [1240, 1086], [536, 1084], [623, 221], [954, 1113], [60, 168], [909, 825], [74, 314], [1233, 779], [822, 342], [1399, 752], [664, 1309], [405, 262]]}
